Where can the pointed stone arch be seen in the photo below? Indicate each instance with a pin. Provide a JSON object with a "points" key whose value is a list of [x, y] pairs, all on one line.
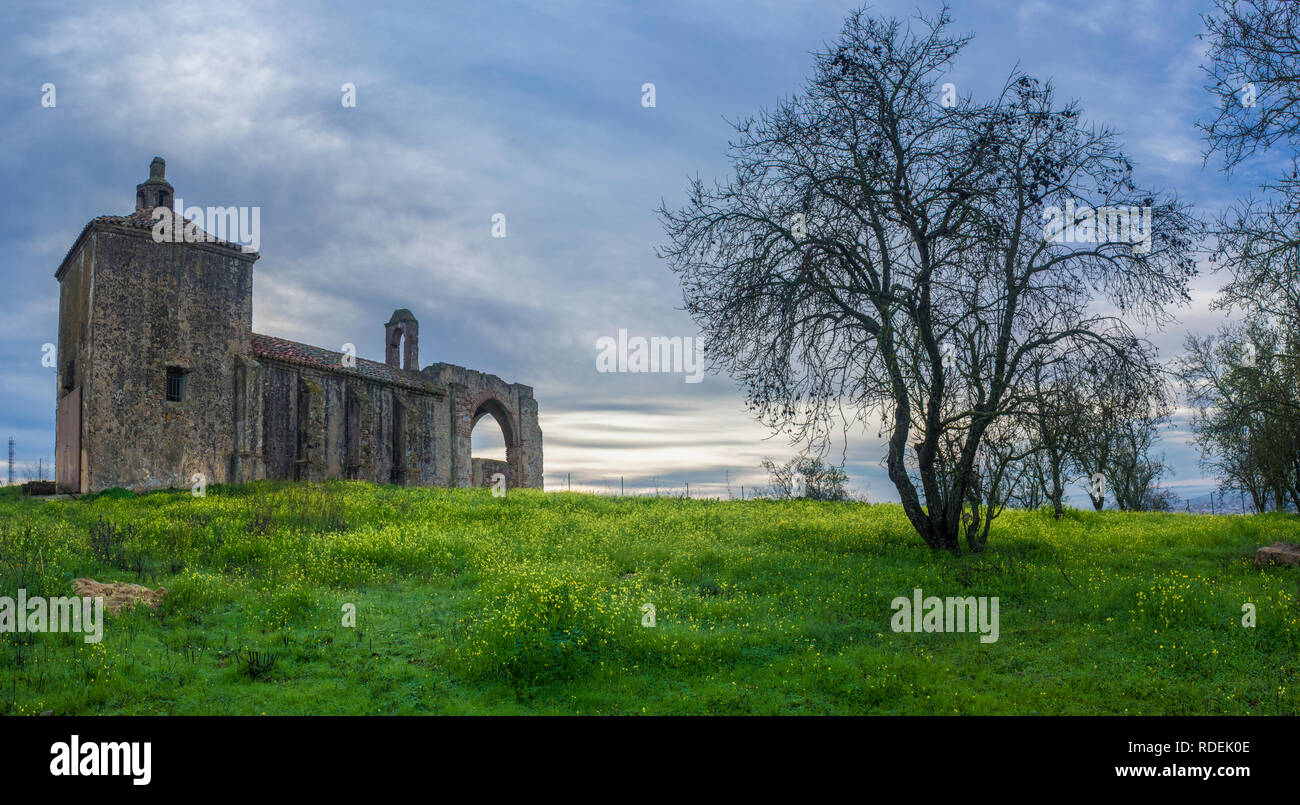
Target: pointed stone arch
{"points": [[490, 403], [474, 395]]}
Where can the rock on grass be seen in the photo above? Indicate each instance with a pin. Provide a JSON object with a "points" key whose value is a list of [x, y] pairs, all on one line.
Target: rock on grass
{"points": [[119, 595]]}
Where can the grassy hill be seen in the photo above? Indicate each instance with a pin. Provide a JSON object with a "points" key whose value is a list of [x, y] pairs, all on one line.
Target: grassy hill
{"points": [[467, 603]]}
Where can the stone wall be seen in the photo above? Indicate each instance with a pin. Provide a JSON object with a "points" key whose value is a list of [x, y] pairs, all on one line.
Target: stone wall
{"points": [[482, 470], [74, 357], [153, 306], [323, 425], [247, 463]]}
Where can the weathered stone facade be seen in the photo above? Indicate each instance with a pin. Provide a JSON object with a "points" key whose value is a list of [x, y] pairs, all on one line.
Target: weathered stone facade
{"points": [[141, 322]]}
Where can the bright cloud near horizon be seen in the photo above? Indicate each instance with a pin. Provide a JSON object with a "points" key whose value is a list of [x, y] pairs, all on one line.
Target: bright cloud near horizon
{"points": [[533, 111]]}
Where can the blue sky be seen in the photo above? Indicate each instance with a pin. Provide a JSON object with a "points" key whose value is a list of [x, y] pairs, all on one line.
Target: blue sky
{"points": [[529, 110]]}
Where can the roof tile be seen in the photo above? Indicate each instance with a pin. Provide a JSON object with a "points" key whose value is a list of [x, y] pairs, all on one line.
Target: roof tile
{"points": [[280, 349]]}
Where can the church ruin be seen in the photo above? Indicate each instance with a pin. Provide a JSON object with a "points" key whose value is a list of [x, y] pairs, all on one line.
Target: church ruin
{"points": [[160, 378]]}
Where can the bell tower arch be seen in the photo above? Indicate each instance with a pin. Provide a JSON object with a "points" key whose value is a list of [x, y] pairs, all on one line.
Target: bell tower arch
{"points": [[402, 341]]}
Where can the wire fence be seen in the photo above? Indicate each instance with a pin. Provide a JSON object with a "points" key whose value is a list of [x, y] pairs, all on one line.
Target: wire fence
{"points": [[658, 486], [627, 486], [1230, 502], [38, 469]]}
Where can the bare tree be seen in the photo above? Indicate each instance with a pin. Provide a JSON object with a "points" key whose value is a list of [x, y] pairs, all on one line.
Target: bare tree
{"points": [[1246, 395], [1254, 73], [881, 257], [1057, 422], [1123, 408], [1001, 477], [1243, 381], [1136, 473]]}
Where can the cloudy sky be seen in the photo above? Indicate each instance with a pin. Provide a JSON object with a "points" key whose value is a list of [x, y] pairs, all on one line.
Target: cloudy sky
{"points": [[530, 110]]}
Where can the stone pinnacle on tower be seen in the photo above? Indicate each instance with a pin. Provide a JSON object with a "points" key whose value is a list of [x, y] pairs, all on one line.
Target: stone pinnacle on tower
{"points": [[155, 191]]}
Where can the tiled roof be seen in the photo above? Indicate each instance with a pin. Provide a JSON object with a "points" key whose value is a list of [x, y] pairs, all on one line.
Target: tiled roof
{"points": [[280, 349], [143, 219]]}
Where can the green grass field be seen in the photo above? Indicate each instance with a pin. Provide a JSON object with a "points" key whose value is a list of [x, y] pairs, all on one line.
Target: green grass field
{"points": [[467, 603]]}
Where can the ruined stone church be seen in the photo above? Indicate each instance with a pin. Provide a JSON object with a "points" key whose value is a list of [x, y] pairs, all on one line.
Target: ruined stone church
{"points": [[161, 378]]}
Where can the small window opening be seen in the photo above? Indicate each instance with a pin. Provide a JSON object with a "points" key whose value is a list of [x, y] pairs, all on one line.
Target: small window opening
{"points": [[175, 384]]}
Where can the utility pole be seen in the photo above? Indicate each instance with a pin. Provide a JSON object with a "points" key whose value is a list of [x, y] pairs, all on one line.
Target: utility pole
{"points": [[568, 481], [11, 461], [620, 486]]}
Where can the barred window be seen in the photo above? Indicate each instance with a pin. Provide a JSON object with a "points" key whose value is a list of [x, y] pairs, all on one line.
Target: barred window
{"points": [[175, 384]]}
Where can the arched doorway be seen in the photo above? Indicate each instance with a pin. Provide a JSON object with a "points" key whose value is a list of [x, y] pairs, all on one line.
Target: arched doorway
{"points": [[488, 439], [493, 444]]}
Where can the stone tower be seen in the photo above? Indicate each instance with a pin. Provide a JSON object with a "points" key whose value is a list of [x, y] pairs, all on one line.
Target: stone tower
{"points": [[150, 337]]}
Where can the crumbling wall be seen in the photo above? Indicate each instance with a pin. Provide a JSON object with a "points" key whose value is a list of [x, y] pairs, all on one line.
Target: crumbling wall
{"points": [[324, 425], [472, 395]]}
